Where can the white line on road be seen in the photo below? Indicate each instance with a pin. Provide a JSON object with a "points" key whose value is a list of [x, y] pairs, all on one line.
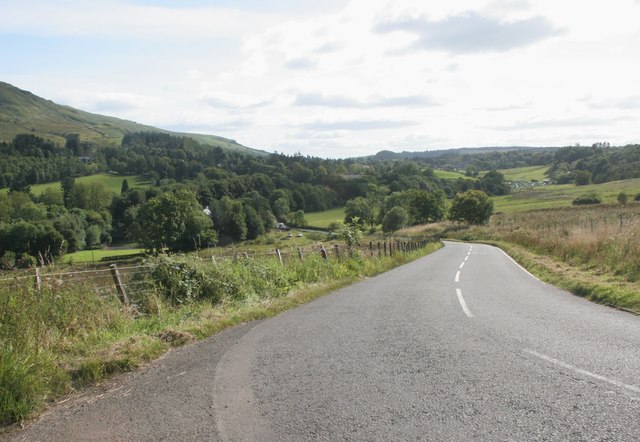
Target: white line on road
{"points": [[463, 304], [462, 265], [458, 276], [583, 372], [466, 257], [522, 268]]}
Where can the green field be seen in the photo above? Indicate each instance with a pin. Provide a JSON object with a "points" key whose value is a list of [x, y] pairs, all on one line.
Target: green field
{"points": [[84, 256], [449, 175], [112, 182], [323, 219], [561, 195], [526, 173]]}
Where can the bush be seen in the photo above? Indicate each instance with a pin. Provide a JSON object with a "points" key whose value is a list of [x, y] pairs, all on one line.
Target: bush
{"points": [[472, 207], [587, 198]]}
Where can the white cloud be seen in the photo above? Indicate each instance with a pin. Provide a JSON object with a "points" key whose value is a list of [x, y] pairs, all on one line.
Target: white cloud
{"points": [[472, 32], [122, 19], [442, 74]]}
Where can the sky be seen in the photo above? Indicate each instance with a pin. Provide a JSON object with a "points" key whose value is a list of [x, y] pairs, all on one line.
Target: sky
{"points": [[336, 78]]}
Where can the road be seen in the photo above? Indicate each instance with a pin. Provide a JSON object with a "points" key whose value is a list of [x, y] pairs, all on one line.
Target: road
{"points": [[460, 345]]}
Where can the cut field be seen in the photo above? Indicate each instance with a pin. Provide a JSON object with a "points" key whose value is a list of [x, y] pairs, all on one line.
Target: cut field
{"points": [[323, 219], [86, 256], [112, 182], [526, 173], [562, 195], [449, 175]]}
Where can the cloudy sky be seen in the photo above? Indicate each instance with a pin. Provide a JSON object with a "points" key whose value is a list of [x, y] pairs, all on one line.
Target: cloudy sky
{"points": [[339, 78]]}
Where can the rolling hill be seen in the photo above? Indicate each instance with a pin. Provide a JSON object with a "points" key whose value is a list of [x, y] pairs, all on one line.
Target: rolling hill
{"points": [[23, 112]]}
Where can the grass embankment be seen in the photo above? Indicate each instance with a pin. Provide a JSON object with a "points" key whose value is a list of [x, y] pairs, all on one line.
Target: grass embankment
{"points": [[58, 340], [591, 251]]}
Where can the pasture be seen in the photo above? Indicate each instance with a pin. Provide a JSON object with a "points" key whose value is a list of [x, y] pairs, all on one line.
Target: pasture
{"points": [[112, 182], [526, 173], [323, 219], [561, 195]]}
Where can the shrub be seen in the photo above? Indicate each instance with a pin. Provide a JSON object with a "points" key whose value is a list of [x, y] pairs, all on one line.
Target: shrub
{"points": [[587, 198], [473, 207]]}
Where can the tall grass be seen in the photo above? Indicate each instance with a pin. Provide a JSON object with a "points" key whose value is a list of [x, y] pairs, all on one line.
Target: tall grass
{"points": [[63, 337], [593, 252], [606, 239]]}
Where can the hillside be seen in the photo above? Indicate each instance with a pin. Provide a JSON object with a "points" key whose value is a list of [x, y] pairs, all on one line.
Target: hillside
{"points": [[23, 112]]}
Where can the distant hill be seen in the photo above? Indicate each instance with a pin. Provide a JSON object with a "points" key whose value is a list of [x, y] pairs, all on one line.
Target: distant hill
{"points": [[23, 112], [389, 155]]}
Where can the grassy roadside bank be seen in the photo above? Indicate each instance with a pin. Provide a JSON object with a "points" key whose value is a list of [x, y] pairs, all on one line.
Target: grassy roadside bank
{"points": [[591, 252], [608, 290], [59, 340]]}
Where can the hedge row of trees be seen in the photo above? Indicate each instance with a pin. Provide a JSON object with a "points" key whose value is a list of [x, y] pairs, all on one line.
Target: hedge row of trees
{"points": [[414, 206], [244, 195]]}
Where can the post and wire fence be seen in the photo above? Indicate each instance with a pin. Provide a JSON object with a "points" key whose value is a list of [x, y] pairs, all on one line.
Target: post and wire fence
{"points": [[127, 281]]}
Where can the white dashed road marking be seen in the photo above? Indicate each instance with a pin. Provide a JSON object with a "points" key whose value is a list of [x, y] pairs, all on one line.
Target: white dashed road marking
{"points": [[583, 372], [463, 304]]}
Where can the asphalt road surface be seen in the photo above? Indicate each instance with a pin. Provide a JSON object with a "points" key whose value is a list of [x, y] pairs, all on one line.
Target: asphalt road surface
{"points": [[460, 345]]}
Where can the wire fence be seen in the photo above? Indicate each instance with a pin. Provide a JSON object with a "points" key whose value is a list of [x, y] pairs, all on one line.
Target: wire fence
{"points": [[131, 280]]}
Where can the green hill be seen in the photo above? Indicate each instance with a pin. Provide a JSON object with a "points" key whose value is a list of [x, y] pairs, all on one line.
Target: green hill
{"points": [[23, 112]]}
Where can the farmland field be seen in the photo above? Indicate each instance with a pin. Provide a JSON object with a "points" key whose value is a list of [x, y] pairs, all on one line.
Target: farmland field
{"points": [[561, 195], [112, 182], [85, 256], [449, 175], [525, 173], [323, 219]]}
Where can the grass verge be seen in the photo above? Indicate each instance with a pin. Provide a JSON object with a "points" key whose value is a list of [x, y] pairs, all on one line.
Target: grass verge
{"points": [[60, 340], [605, 289]]}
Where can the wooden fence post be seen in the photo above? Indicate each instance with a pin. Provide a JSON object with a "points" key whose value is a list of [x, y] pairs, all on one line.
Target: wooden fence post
{"points": [[279, 256], [300, 255], [38, 281], [122, 294], [385, 248], [337, 251], [371, 248], [379, 249]]}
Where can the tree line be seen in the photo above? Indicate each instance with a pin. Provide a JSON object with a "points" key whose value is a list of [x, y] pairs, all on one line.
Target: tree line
{"points": [[198, 195]]}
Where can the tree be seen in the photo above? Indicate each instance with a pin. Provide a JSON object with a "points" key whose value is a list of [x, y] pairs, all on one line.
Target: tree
{"points": [[255, 225], [174, 220], [472, 207], [350, 233], [395, 219], [124, 187], [493, 183], [297, 219], [67, 184], [235, 221], [426, 207], [623, 198], [91, 196], [582, 177], [359, 208]]}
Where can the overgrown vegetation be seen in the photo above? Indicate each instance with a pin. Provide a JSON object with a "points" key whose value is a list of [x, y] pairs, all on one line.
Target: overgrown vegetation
{"points": [[603, 242], [59, 339]]}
